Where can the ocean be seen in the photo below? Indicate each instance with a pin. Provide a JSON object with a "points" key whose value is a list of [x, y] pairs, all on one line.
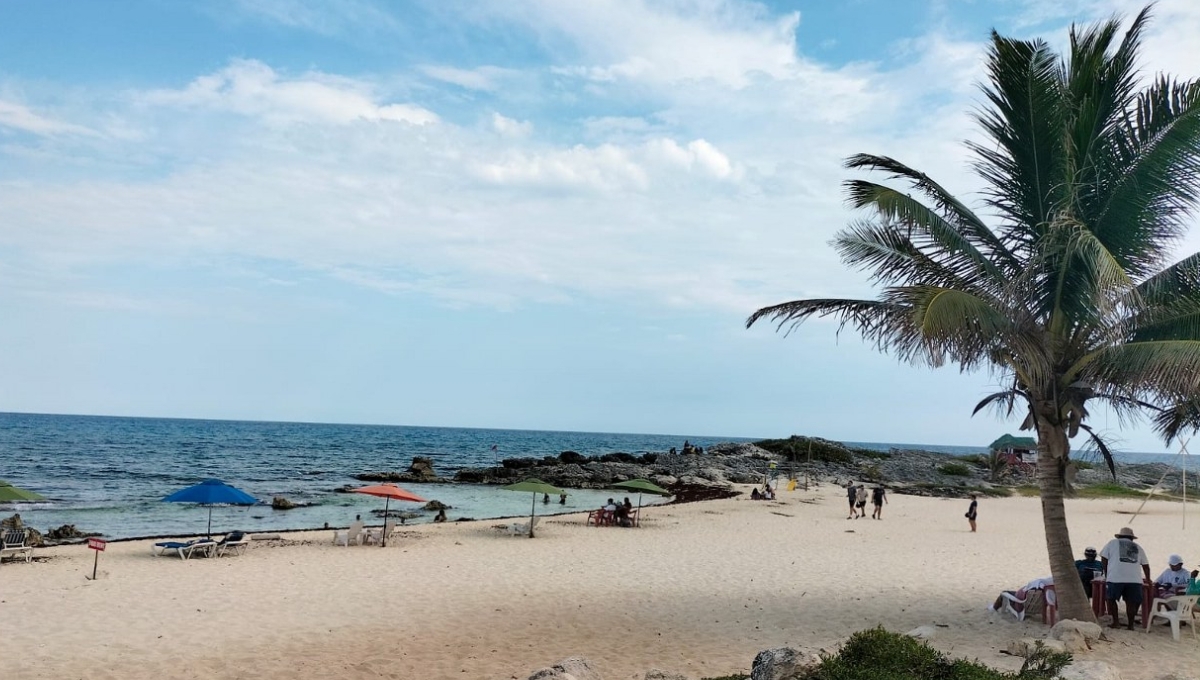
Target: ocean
{"points": [[108, 474]]}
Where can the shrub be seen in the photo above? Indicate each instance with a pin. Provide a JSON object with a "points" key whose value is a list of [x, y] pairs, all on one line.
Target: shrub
{"points": [[871, 473], [976, 459], [870, 453], [796, 448], [880, 655], [954, 469]]}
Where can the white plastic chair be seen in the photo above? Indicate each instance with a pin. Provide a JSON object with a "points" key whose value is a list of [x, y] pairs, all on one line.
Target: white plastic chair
{"points": [[519, 529], [1173, 609], [348, 536], [13, 545]]}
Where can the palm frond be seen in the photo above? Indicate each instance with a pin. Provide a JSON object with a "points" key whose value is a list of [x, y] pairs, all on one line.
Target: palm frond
{"points": [[1102, 447], [954, 211]]}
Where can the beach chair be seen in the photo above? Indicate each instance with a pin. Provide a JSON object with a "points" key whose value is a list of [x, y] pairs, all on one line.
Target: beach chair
{"points": [[14, 544], [521, 529], [347, 536], [377, 536], [184, 549], [1175, 610], [235, 542]]}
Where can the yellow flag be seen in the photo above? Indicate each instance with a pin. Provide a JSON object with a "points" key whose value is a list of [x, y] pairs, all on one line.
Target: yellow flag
{"points": [[791, 485]]}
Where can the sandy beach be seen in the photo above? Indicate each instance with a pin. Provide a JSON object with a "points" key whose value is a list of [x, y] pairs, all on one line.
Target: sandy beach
{"points": [[699, 589]]}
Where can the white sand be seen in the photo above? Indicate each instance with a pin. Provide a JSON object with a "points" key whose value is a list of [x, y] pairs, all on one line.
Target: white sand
{"points": [[699, 589]]}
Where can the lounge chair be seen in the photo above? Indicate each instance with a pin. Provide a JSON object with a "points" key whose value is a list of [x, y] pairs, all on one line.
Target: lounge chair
{"points": [[235, 542], [1175, 610], [347, 536], [184, 549], [519, 529], [377, 536], [13, 544]]}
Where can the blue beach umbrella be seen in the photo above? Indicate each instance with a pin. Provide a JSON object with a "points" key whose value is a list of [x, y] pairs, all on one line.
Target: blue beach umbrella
{"points": [[211, 492]]}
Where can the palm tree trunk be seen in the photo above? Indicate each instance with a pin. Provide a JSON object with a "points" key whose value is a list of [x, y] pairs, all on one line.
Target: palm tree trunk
{"points": [[1053, 448]]}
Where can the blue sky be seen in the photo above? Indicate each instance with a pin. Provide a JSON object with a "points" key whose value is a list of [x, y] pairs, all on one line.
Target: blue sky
{"points": [[529, 214]]}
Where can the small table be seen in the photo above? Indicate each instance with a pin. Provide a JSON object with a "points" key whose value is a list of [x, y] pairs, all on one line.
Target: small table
{"points": [[1100, 598]]}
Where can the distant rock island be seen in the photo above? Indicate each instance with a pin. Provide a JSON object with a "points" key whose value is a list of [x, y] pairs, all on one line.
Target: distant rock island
{"points": [[696, 472]]}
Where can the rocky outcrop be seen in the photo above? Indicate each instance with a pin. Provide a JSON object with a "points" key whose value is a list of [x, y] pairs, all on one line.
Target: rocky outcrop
{"points": [[281, 503], [419, 472], [66, 533], [574, 668], [1090, 670], [1076, 636], [656, 674], [435, 505], [782, 663]]}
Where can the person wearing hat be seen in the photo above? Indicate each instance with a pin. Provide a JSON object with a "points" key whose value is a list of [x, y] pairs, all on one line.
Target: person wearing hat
{"points": [[1088, 567], [1126, 568], [1174, 580]]}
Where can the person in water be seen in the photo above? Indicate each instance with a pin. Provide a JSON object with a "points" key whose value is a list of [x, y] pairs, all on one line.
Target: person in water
{"points": [[441, 516]]}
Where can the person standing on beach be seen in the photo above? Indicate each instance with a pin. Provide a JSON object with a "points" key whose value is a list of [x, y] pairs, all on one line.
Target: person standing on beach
{"points": [[861, 503], [1125, 569], [878, 497], [851, 495], [973, 511]]}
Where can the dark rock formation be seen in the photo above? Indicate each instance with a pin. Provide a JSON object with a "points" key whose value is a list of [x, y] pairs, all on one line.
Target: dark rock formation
{"points": [[281, 503], [420, 472], [66, 533], [436, 505]]}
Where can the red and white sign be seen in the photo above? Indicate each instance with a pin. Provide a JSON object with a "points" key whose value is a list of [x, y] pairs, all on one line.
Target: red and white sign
{"points": [[97, 543]]}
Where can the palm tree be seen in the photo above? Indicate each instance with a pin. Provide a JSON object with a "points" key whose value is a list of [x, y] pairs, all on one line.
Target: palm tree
{"points": [[1067, 294]]}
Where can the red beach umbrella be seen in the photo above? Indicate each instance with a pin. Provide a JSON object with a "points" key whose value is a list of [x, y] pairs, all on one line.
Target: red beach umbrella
{"points": [[388, 492]]}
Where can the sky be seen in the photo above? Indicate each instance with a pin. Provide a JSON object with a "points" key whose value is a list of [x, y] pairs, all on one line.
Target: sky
{"points": [[531, 214]]}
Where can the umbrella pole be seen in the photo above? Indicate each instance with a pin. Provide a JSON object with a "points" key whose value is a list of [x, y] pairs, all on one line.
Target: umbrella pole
{"points": [[639, 515], [209, 521], [532, 508], [383, 531]]}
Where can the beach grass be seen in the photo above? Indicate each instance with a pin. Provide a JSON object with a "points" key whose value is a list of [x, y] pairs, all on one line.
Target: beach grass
{"points": [[878, 654]]}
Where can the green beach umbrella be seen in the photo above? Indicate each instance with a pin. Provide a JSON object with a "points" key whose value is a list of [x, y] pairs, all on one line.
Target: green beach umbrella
{"points": [[15, 494], [642, 486], [534, 486]]}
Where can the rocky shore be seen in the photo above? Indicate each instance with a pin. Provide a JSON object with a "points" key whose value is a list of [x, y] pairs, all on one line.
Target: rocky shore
{"points": [[712, 473]]}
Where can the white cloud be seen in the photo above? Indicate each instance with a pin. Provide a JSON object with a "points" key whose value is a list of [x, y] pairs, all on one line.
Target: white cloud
{"points": [[510, 127], [343, 17], [728, 41], [484, 78], [20, 117], [251, 88]]}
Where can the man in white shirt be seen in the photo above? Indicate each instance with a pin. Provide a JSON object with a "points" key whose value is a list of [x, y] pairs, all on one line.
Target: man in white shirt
{"points": [[1174, 579], [1126, 569]]}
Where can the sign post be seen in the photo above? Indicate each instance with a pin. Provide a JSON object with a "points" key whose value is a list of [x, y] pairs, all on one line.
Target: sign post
{"points": [[97, 544]]}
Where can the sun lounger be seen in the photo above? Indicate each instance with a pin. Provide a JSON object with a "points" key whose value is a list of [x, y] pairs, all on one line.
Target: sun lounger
{"points": [[184, 549], [235, 542], [13, 544], [377, 536], [519, 529], [347, 536]]}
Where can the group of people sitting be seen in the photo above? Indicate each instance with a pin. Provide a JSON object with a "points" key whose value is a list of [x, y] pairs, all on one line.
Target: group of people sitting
{"points": [[767, 493], [621, 512], [1125, 570]]}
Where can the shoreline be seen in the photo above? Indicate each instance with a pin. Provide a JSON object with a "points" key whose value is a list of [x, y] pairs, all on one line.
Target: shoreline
{"points": [[699, 589]]}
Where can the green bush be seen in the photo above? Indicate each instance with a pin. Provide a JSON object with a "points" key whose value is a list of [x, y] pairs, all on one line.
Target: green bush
{"points": [[870, 453], [796, 448], [879, 655], [976, 459], [954, 469]]}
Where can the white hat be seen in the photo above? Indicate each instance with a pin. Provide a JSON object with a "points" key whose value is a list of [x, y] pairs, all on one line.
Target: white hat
{"points": [[1174, 559]]}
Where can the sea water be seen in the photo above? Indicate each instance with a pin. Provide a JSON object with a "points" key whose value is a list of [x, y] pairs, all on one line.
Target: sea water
{"points": [[109, 474]]}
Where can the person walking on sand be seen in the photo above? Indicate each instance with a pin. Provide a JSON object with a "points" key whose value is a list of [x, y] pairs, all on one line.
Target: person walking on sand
{"points": [[878, 497], [1126, 569], [860, 504], [851, 495], [973, 511]]}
